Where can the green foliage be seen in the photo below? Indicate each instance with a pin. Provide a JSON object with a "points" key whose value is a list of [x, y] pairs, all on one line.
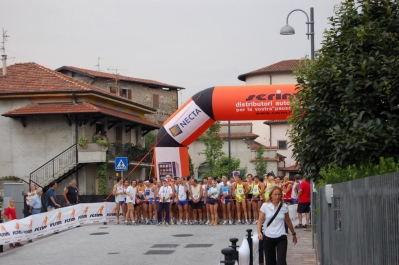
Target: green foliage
{"points": [[10, 178], [96, 138], [103, 143], [347, 107], [82, 141], [222, 166], [332, 174], [191, 166], [150, 139], [260, 163], [213, 146], [102, 178]]}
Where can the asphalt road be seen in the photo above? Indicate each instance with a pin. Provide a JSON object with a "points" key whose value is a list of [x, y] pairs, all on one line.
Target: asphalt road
{"points": [[132, 245]]}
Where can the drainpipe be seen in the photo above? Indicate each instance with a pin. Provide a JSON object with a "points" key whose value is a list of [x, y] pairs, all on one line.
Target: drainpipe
{"points": [[4, 59]]}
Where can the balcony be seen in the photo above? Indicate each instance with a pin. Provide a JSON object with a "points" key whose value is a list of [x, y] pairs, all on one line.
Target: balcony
{"points": [[93, 153], [135, 153]]}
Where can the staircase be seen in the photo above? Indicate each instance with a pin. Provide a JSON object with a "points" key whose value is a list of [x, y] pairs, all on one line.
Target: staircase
{"points": [[58, 168]]}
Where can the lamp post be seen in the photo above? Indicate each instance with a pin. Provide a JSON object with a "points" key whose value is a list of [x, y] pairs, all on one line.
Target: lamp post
{"points": [[288, 30]]}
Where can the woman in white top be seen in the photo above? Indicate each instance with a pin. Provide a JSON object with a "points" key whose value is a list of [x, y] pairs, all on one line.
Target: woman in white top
{"points": [[165, 194], [213, 194], [274, 236], [118, 192], [130, 200]]}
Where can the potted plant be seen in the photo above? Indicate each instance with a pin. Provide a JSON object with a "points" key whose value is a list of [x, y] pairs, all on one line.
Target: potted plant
{"points": [[103, 143], [82, 142]]}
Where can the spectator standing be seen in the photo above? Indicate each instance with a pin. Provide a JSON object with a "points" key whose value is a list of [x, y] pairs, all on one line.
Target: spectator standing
{"points": [[10, 214], [71, 194], [35, 204], [273, 215], [51, 197], [165, 194], [304, 202], [28, 198]]}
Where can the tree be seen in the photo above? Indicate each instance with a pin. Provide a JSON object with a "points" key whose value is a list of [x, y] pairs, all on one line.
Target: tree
{"points": [[213, 146], [222, 166], [260, 163], [346, 111]]}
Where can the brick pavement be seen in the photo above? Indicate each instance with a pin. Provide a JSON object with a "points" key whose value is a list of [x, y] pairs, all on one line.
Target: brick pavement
{"points": [[301, 253]]}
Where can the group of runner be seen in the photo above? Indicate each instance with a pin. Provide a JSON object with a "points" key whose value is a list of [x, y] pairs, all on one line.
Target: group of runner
{"points": [[187, 201]]}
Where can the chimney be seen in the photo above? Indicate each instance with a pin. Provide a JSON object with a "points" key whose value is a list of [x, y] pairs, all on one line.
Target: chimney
{"points": [[4, 59]]}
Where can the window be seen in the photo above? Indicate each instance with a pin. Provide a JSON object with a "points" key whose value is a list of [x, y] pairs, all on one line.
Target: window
{"points": [[126, 93], [155, 100], [112, 89], [118, 134], [337, 214], [282, 144]]}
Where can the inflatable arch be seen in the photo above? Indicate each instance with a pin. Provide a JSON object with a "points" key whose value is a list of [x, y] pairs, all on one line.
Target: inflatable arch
{"points": [[221, 103]]}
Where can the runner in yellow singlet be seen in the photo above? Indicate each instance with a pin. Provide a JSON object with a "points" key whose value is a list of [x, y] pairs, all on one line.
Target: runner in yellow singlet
{"points": [[268, 186], [250, 184], [256, 202], [240, 189]]}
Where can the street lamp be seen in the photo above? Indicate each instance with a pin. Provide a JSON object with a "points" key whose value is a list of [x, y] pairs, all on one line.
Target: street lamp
{"points": [[288, 30]]}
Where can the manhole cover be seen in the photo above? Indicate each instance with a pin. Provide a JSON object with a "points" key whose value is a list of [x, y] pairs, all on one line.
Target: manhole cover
{"points": [[159, 252], [113, 253], [165, 246], [103, 227], [182, 235], [99, 234], [198, 246]]}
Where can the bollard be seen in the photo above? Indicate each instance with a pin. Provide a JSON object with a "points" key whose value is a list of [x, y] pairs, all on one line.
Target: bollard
{"points": [[1, 246], [228, 252], [234, 246], [251, 251]]}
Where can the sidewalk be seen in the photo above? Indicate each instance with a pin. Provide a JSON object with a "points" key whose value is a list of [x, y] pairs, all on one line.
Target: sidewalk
{"points": [[301, 253]]}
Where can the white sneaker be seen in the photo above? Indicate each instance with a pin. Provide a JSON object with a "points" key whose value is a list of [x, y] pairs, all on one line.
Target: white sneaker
{"points": [[207, 222], [255, 222], [230, 222], [225, 223], [186, 222], [246, 222], [238, 222]]}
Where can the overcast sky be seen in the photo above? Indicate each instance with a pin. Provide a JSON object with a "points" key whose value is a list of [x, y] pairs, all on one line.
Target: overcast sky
{"points": [[195, 44]]}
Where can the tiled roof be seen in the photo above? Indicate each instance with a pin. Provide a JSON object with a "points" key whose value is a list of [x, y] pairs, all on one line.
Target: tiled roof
{"points": [[275, 122], [266, 159], [236, 124], [239, 135], [41, 109], [256, 145], [280, 67], [291, 168], [93, 73], [33, 78]]}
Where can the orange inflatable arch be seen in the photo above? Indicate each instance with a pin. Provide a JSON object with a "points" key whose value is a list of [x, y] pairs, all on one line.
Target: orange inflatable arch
{"points": [[221, 103]]}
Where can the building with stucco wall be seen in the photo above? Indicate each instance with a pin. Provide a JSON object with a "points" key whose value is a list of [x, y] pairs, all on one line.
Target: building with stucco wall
{"points": [[44, 113], [160, 96], [274, 133]]}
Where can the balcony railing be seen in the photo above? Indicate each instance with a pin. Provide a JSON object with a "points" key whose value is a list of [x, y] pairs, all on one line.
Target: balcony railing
{"points": [[134, 153]]}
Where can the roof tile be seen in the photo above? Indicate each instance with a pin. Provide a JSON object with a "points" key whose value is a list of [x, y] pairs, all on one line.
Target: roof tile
{"points": [[34, 78], [93, 73], [282, 66]]}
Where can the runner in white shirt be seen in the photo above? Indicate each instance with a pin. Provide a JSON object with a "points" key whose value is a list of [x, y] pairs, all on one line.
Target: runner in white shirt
{"points": [[196, 194], [117, 192], [130, 200]]}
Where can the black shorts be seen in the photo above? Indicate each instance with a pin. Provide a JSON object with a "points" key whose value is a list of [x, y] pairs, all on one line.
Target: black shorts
{"points": [[213, 201], [190, 203], [197, 206], [303, 207], [249, 196]]}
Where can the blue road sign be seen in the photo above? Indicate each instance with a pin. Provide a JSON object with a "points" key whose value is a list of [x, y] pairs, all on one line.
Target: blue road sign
{"points": [[121, 164]]}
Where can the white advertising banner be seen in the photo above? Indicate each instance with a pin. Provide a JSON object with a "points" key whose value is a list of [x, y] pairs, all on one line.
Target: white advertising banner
{"points": [[244, 253], [42, 224], [294, 216]]}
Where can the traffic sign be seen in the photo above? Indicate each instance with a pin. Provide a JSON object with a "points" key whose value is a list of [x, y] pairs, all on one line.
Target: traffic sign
{"points": [[121, 164]]}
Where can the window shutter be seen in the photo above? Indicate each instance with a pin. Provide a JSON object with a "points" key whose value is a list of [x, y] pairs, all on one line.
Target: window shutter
{"points": [[129, 94], [121, 92], [155, 100], [112, 90]]}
